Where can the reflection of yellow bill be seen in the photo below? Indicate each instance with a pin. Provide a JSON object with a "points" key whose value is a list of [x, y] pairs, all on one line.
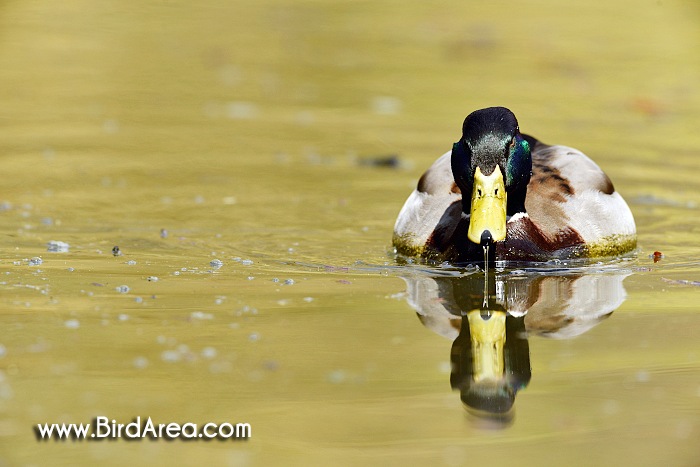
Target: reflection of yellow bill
{"points": [[488, 206], [488, 340]]}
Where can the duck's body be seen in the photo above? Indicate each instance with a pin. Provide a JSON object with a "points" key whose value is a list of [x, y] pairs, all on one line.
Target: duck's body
{"points": [[564, 207]]}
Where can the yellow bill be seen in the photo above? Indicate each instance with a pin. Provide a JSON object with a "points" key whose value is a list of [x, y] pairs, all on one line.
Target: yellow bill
{"points": [[488, 340], [488, 206]]}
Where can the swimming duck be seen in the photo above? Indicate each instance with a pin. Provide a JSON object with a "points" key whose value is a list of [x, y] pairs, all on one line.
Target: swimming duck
{"points": [[501, 188]]}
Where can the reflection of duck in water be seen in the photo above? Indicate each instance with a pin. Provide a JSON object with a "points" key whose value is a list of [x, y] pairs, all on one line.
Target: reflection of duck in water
{"points": [[490, 361], [531, 201], [490, 353]]}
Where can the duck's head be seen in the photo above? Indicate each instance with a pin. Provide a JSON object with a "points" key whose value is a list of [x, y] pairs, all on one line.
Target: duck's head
{"points": [[491, 165]]}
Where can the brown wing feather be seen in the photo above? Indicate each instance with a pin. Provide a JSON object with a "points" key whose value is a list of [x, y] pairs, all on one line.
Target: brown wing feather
{"points": [[559, 172]]}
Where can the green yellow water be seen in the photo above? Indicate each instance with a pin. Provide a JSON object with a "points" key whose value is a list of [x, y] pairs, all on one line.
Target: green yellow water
{"points": [[243, 129]]}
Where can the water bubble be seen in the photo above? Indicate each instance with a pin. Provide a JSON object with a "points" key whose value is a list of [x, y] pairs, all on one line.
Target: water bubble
{"points": [[337, 376], [386, 105], [241, 110], [247, 262], [122, 289], [445, 367], [201, 315], [152, 279], [140, 363], [289, 282], [170, 356], [55, 246], [36, 261], [209, 352], [72, 324], [216, 263]]}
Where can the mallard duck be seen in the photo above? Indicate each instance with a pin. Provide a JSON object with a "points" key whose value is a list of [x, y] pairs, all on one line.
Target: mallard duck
{"points": [[529, 200]]}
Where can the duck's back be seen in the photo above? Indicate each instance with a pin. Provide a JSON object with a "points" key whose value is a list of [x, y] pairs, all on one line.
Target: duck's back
{"points": [[572, 209]]}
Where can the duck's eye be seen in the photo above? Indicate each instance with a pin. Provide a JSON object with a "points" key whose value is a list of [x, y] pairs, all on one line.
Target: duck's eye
{"points": [[496, 192], [478, 192]]}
